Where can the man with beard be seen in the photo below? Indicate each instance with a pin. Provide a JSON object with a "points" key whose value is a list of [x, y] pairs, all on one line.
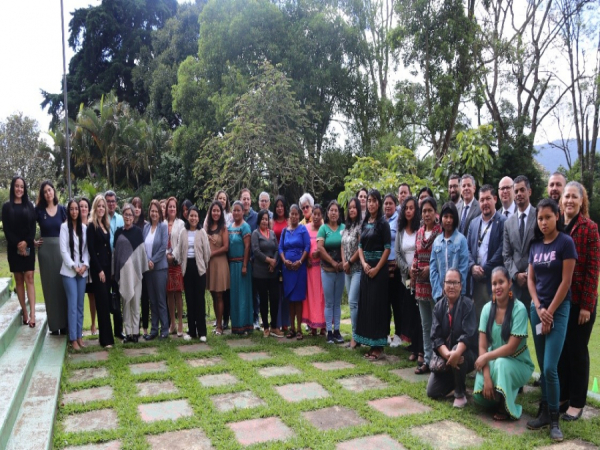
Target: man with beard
{"points": [[507, 197], [556, 186], [454, 188], [403, 192], [468, 208], [485, 240]]}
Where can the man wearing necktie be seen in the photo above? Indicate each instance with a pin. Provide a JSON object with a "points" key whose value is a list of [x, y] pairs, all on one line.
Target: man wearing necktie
{"points": [[468, 206], [507, 197]]}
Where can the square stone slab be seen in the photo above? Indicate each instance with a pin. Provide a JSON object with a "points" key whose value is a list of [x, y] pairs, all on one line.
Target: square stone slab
{"points": [[254, 356], [570, 445], [388, 360], [333, 418], [193, 348], [219, 379], [333, 365], [236, 400], [152, 388], [172, 410], [409, 374], [399, 406], [512, 427], [88, 374], [205, 362], [88, 357], [377, 442], [180, 440], [100, 419], [237, 343], [447, 435], [144, 351], [250, 432], [308, 351], [301, 391], [88, 395], [589, 412], [111, 445], [91, 342], [362, 383], [149, 367], [346, 322], [279, 371]]}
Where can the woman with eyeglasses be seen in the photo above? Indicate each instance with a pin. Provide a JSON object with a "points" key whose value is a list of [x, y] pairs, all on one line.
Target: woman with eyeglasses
{"points": [[454, 337], [306, 202]]}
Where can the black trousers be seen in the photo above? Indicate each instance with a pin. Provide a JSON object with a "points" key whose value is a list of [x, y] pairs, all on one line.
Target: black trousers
{"points": [[194, 286], [574, 362], [145, 307], [117, 315], [411, 319], [268, 291], [102, 295], [441, 384], [395, 302]]}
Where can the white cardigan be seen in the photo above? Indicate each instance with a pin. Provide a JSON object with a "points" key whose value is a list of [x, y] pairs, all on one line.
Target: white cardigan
{"points": [[67, 266], [201, 250], [178, 225]]}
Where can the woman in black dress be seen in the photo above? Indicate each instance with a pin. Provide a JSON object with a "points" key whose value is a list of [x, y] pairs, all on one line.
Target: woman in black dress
{"points": [[18, 221], [373, 321]]}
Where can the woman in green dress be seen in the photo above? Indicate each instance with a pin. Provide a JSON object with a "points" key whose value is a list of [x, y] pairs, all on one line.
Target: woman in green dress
{"points": [[504, 364]]}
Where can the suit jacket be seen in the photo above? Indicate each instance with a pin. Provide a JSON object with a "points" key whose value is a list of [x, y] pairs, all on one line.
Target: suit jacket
{"points": [[474, 211], [496, 243], [159, 246], [515, 252], [99, 250]]}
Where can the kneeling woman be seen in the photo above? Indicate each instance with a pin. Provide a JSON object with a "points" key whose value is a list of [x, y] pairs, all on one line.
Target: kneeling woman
{"points": [[454, 338], [504, 364]]}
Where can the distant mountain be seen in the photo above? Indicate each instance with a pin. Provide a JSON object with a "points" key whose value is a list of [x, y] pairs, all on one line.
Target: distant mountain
{"points": [[551, 157]]}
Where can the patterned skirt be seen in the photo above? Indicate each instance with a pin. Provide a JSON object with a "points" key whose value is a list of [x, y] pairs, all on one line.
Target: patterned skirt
{"points": [[175, 279]]}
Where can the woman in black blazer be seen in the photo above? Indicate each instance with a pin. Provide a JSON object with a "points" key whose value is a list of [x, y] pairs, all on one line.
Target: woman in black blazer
{"points": [[98, 241]]}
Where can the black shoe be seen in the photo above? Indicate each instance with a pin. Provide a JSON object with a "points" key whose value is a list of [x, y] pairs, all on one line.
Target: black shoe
{"points": [[337, 337], [150, 337], [54, 333], [63, 331], [569, 418], [135, 338], [555, 433], [127, 339], [162, 337], [542, 420], [564, 407], [330, 337]]}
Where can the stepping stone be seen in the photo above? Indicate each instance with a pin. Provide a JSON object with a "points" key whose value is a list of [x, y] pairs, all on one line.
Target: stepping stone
{"points": [[279, 371], [237, 343], [88, 357], [399, 406], [100, 419], [88, 374], [389, 359], [346, 322], [111, 445], [144, 351], [333, 365], [333, 418], [193, 348], [236, 400], [205, 362], [152, 388], [447, 435], [91, 342], [527, 389], [88, 395], [220, 379], [308, 351], [254, 356], [570, 445], [149, 367], [589, 412], [250, 432], [180, 440], [409, 374], [301, 391], [377, 442], [362, 383], [512, 427], [172, 410]]}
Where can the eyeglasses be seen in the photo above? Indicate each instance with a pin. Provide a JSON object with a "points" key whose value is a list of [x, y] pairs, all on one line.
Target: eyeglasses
{"points": [[305, 207], [128, 215], [452, 283], [505, 188]]}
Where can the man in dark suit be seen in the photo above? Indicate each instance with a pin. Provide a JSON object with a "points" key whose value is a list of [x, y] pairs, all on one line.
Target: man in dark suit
{"points": [[485, 241], [468, 206], [518, 234]]}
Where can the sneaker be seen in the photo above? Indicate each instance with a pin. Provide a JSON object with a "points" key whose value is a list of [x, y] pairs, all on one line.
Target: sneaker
{"points": [[395, 341], [460, 402], [187, 337], [257, 326], [202, 338], [337, 337], [276, 332], [330, 337]]}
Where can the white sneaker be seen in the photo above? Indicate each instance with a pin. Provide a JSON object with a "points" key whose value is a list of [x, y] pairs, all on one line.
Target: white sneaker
{"points": [[395, 341], [202, 338], [187, 337]]}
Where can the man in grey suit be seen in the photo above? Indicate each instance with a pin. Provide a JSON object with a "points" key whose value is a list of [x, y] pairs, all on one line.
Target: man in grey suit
{"points": [[468, 206], [485, 242], [518, 234]]}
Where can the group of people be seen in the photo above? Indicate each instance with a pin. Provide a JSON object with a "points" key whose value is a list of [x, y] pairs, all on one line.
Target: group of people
{"points": [[462, 282]]}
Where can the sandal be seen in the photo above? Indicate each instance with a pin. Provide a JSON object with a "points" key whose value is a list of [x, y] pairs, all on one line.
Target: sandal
{"points": [[500, 416], [31, 323], [422, 369], [299, 336], [217, 332], [367, 355], [291, 333], [412, 357], [376, 356]]}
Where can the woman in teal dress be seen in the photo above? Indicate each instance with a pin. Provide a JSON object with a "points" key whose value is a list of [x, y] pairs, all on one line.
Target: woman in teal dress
{"points": [[242, 311], [504, 364]]}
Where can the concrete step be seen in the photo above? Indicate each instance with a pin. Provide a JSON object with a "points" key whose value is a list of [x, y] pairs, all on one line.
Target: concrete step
{"points": [[34, 425], [4, 290], [10, 321], [16, 366]]}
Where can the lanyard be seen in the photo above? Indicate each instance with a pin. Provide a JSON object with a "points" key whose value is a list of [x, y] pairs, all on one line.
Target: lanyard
{"points": [[482, 236]]}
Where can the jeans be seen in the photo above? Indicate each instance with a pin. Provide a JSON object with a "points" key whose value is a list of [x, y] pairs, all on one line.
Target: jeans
{"points": [[353, 290], [426, 310], [333, 288], [548, 349], [75, 290]]}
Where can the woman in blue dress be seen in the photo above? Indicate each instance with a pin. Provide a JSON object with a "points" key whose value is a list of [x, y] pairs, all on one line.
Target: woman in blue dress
{"points": [[294, 246], [242, 311]]}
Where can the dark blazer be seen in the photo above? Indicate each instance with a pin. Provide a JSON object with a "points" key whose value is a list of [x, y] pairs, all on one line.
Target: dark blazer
{"points": [[514, 252], [496, 243], [464, 324], [99, 249], [474, 211], [159, 247]]}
